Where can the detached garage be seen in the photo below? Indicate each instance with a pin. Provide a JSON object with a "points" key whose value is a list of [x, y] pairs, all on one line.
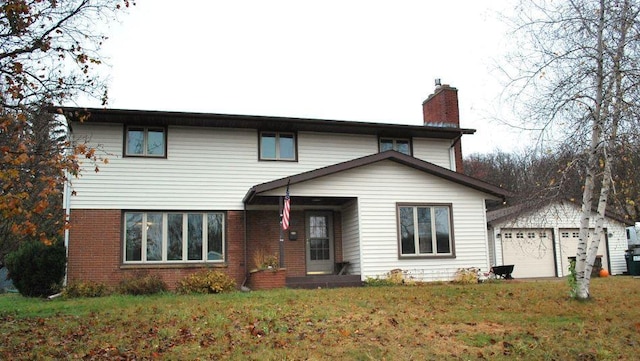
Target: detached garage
{"points": [[540, 242]]}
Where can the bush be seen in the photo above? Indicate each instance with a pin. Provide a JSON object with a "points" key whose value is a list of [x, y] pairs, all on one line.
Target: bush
{"points": [[466, 276], [36, 269], [141, 285], [206, 282], [85, 289], [392, 278]]}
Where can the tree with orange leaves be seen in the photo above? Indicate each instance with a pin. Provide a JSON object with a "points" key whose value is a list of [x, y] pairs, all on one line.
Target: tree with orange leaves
{"points": [[49, 54]]}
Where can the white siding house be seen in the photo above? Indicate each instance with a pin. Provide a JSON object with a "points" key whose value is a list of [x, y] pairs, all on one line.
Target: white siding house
{"points": [[183, 191]]}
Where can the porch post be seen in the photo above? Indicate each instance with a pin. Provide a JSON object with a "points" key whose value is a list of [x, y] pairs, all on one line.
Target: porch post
{"points": [[281, 247]]}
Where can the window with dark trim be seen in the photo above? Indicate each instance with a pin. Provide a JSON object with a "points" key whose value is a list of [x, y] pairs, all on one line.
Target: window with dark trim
{"points": [[145, 142], [278, 146], [397, 144], [425, 230], [160, 237]]}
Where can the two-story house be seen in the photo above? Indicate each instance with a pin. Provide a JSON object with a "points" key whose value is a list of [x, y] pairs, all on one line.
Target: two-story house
{"points": [[186, 191]]}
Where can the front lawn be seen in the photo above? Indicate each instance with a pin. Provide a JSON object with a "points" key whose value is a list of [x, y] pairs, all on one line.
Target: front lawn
{"points": [[504, 320]]}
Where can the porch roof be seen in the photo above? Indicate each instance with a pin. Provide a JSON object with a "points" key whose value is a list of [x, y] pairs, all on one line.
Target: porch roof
{"points": [[251, 196]]}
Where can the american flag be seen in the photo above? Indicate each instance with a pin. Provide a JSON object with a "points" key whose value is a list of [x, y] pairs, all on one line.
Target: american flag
{"points": [[286, 210]]}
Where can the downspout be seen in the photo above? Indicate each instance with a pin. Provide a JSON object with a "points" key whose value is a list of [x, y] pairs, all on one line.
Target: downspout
{"points": [[452, 152], [67, 217], [66, 199], [244, 221]]}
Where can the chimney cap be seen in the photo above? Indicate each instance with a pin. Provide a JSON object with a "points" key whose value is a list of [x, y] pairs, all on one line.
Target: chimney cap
{"points": [[438, 82]]}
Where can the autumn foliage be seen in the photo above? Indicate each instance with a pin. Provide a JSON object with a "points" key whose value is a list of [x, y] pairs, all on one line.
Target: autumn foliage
{"points": [[49, 54]]}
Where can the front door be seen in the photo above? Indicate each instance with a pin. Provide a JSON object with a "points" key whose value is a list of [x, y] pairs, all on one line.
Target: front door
{"points": [[319, 243]]}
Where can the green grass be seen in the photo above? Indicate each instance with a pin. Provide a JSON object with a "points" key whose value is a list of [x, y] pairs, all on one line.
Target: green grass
{"points": [[503, 320]]}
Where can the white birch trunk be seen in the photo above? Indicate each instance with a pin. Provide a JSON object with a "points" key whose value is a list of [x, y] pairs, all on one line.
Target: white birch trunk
{"points": [[583, 263], [616, 102]]}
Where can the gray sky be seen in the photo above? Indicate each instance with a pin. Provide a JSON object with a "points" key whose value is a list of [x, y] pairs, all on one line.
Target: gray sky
{"points": [[362, 60]]}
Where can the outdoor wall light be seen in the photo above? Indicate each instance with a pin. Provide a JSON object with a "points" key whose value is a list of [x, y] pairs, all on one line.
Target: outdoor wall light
{"points": [[293, 235]]}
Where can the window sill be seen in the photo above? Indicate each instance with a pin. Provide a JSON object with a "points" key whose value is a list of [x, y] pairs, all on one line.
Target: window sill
{"points": [[172, 265], [405, 257]]}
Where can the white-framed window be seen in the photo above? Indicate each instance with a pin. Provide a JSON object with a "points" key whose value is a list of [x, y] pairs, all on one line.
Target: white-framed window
{"points": [[425, 230], [508, 235], [400, 145], [145, 141], [157, 237], [531, 235], [543, 234], [277, 146], [520, 235], [564, 234]]}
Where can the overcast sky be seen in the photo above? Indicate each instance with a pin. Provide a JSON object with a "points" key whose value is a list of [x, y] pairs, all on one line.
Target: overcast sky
{"points": [[372, 61]]}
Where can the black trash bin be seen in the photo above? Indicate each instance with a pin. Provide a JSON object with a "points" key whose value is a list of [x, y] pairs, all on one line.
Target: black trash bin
{"points": [[632, 256]]}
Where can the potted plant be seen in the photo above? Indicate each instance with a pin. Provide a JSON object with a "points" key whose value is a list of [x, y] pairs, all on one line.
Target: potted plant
{"points": [[267, 273]]}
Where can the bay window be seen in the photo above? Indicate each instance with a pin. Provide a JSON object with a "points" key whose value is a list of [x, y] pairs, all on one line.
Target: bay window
{"points": [[156, 237]]}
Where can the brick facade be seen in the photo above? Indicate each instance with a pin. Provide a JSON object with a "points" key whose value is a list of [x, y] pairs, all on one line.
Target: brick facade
{"points": [[95, 247], [95, 250], [263, 232]]}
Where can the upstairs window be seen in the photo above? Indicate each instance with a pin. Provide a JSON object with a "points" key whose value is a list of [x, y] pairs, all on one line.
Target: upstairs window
{"points": [[400, 145], [425, 230], [277, 146], [145, 142]]}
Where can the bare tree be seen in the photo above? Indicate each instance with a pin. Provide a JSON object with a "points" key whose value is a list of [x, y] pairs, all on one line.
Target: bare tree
{"points": [[575, 74], [49, 49]]}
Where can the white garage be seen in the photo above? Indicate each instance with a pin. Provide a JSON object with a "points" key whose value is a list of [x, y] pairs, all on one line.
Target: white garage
{"points": [[539, 242]]}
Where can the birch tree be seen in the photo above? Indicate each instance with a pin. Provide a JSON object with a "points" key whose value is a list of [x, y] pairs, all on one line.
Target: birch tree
{"points": [[574, 76]]}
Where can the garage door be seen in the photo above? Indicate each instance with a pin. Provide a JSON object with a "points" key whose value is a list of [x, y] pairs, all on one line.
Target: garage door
{"points": [[530, 251], [569, 245]]}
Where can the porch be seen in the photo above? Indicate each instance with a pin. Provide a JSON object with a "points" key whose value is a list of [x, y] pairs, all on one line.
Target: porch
{"points": [[324, 281], [315, 249]]}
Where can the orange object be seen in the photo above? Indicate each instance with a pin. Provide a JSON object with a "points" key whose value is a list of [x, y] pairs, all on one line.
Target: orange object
{"points": [[604, 273]]}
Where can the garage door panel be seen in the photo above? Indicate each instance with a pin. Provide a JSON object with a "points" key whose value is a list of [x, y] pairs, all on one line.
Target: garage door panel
{"points": [[569, 239], [530, 251]]}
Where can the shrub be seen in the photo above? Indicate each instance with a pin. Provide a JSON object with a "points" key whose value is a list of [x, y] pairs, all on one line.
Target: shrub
{"points": [[206, 282], [141, 285], [466, 275], [85, 289], [36, 269], [391, 278]]}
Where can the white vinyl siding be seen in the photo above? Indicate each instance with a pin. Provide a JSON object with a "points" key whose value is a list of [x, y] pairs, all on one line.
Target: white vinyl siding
{"points": [[436, 151], [378, 187], [205, 168], [351, 237]]}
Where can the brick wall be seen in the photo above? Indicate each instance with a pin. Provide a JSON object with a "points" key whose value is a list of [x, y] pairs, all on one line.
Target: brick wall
{"points": [[263, 232], [95, 250]]}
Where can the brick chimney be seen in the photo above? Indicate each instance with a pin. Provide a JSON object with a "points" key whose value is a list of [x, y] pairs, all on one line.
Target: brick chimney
{"points": [[440, 109]]}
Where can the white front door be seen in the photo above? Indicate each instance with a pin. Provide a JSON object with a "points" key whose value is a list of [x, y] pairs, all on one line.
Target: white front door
{"points": [[319, 243]]}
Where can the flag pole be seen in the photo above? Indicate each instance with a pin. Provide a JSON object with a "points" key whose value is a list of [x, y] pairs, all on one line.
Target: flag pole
{"points": [[285, 218], [281, 247]]}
